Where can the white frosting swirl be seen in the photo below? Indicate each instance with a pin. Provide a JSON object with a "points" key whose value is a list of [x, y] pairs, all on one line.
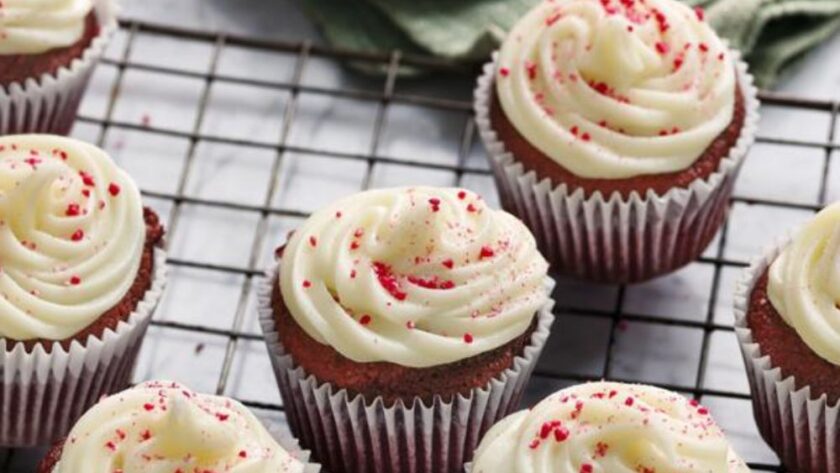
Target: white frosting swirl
{"points": [[414, 276], [37, 26], [71, 236], [613, 89], [804, 284], [162, 427], [608, 428]]}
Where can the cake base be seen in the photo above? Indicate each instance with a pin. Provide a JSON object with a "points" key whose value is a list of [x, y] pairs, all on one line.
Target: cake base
{"points": [[787, 350], [545, 167], [390, 381], [19, 67]]}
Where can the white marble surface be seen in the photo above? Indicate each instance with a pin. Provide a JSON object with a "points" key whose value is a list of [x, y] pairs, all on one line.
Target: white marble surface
{"points": [[647, 352]]}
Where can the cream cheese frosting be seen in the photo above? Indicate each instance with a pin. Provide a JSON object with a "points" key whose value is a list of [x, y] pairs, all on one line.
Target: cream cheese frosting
{"points": [[71, 236], [37, 26], [163, 427], [608, 428], [415, 276], [613, 89], [804, 284]]}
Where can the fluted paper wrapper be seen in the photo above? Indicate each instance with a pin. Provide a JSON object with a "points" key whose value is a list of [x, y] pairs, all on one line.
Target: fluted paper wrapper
{"points": [[48, 104], [355, 435], [43, 394], [800, 426], [607, 238]]}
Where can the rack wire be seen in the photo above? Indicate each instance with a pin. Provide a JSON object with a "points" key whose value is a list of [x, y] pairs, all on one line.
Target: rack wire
{"points": [[390, 94]]}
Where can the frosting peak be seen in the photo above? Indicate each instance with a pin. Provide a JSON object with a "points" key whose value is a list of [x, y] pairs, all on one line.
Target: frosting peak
{"points": [[608, 428], [414, 276], [71, 236], [613, 89], [804, 284], [37, 26], [161, 427]]}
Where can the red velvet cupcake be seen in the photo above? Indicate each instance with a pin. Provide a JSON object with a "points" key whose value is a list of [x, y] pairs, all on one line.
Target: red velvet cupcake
{"points": [[616, 131], [48, 51], [787, 318], [402, 323], [82, 271]]}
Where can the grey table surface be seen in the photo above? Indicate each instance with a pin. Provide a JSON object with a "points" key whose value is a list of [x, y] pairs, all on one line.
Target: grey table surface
{"points": [[644, 352]]}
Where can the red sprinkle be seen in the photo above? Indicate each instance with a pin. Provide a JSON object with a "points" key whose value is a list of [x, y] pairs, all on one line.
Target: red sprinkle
{"points": [[435, 203], [585, 137], [701, 14], [75, 280], [87, 179], [504, 71], [462, 195], [77, 235], [313, 241], [703, 47], [365, 319], [662, 47], [113, 189], [243, 454], [468, 338], [586, 468], [448, 263], [531, 68], [388, 280], [306, 283], [561, 434], [574, 130], [486, 252], [534, 444], [471, 208], [410, 325], [703, 411], [553, 18], [629, 401], [73, 210], [149, 406]]}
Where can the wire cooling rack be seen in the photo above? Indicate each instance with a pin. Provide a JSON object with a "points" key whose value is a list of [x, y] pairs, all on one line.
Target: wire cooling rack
{"points": [[235, 140]]}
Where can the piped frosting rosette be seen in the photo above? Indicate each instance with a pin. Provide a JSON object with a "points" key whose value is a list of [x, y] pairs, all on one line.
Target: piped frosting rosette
{"points": [[48, 104], [418, 277], [798, 422], [414, 276], [71, 232], [613, 92], [615, 89], [608, 428], [164, 427], [72, 244]]}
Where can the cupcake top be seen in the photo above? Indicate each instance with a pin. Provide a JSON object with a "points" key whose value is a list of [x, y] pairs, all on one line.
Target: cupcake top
{"points": [[164, 427], [613, 89], [37, 26], [804, 284], [416, 276], [71, 236], [608, 428]]}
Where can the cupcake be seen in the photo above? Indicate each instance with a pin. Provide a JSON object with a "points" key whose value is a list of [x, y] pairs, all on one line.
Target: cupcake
{"points": [[787, 318], [615, 130], [82, 272], [164, 427], [48, 50], [402, 323], [608, 428]]}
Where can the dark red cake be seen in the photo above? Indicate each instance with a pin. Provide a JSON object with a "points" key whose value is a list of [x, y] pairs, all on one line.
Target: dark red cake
{"points": [[787, 350], [19, 67], [535, 160], [120, 312], [388, 380], [51, 460]]}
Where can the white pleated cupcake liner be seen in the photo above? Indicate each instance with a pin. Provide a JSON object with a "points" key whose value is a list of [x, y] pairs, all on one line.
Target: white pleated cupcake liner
{"points": [[800, 426], [612, 239], [43, 394], [351, 434], [48, 104]]}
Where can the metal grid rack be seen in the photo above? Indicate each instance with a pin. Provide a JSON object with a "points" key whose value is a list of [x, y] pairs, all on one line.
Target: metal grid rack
{"points": [[303, 53]]}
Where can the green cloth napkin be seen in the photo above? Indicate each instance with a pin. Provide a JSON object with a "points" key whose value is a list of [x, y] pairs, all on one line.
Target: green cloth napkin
{"points": [[770, 33]]}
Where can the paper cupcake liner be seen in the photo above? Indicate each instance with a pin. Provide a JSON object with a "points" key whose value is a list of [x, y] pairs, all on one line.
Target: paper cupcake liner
{"points": [[801, 427], [43, 394], [612, 239], [48, 104], [356, 435]]}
